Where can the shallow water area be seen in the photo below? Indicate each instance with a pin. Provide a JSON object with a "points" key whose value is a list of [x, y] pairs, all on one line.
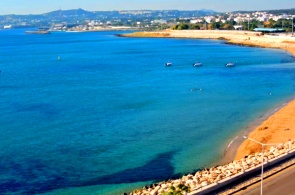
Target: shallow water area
{"points": [[108, 116]]}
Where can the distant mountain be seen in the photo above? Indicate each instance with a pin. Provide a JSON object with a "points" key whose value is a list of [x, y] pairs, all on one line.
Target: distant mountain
{"points": [[80, 14], [208, 11], [283, 11], [290, 11], [70, 13]]}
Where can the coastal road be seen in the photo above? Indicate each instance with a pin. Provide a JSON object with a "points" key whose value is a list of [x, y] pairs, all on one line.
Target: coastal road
{"points": [[281, 183]]}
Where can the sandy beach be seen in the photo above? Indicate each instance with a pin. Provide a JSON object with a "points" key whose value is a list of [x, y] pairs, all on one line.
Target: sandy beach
{"points": [[277, 128], [247, 38]]}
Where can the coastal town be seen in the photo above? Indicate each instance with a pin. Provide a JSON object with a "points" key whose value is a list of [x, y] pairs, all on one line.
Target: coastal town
{"points": [[82, 20], [261, 150]]}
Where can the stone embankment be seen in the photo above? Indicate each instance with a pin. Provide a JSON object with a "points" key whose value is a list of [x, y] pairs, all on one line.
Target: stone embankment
{"points": [[201, 181]]}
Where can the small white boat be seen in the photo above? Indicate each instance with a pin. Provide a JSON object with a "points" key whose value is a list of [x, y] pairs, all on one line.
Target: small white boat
{"points": [[197, 64], [230, 64], [168, 64]]}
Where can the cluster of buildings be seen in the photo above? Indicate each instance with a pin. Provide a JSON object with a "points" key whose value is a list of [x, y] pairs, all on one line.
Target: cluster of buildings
{"points": [[97, 25], [241, 17], [146, 22], [235, 18]]}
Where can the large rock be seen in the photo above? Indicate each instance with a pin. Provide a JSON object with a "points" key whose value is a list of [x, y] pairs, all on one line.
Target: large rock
{"points": [[204, 183]]}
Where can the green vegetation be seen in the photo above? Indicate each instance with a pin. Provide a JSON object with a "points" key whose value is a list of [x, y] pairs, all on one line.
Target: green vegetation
{"points": [[181, 26], [180, 190], [204, 26], [229, 25], [281, 23], [283, 11]]}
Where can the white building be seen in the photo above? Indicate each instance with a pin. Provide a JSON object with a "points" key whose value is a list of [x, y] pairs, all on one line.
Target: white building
{"points": [[238, 27], [262, 19], [196, 21], [7, 27], [208, 19], [238, 20], [159, 21], [284, 16]]}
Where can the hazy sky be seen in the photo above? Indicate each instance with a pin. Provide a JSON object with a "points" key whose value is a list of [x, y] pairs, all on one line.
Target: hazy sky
{"points": [[43, 6]]}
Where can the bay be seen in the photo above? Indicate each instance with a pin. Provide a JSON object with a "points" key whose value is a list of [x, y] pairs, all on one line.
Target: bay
{"points": [[108, 116]]}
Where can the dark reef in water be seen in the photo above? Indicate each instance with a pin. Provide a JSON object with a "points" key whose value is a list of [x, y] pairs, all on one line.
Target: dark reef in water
{"points": [[157, 169], [35, 176]]}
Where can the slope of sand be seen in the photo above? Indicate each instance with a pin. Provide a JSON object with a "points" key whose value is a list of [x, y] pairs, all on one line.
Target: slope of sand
{"points": [[247, 38], [278, 128]]}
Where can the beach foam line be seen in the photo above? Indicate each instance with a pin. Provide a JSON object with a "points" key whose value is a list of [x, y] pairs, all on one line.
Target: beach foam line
{"points": [[284, 104], [279, 127], [228, 146]]}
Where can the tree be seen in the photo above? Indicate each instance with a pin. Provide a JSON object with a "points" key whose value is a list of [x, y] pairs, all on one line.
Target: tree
{"points": [[209, 26], [227, 26], [180, 190], [270, 23], [216, 25], [181, 26], [194, 27]]}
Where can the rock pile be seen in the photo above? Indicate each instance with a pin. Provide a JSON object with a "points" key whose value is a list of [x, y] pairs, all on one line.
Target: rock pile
{"points": [[216, 174]]}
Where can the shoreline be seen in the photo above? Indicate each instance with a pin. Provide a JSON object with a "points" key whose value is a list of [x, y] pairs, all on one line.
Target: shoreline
{"points": [[278, 128], [242, 38], [230, 152]]}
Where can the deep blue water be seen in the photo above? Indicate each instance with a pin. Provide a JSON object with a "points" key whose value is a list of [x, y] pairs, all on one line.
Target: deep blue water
{"points": [[109, 114]]}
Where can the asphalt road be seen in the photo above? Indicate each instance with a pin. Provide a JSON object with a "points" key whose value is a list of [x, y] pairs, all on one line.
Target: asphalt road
{"points": [[282, 183]]}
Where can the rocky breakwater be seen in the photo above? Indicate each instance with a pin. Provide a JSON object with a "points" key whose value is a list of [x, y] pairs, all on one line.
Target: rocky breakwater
{"points": [[196, 182]]}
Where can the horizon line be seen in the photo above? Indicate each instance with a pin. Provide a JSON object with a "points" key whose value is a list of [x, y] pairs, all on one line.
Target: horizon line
{"points": [[149, 10]]}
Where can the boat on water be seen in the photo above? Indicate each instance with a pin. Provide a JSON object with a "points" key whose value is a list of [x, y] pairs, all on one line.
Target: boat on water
{"points": [[168, 64], [197, 64], [230, 64]]}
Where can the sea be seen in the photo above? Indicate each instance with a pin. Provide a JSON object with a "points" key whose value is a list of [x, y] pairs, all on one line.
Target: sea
{"points": [[95, 113]]}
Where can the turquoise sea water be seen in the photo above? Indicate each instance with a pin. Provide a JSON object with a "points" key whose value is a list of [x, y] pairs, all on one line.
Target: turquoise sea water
{"points": [[109, 116]]}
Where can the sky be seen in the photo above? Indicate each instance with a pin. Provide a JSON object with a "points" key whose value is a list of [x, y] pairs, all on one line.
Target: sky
{"points": [[44, 6]]}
